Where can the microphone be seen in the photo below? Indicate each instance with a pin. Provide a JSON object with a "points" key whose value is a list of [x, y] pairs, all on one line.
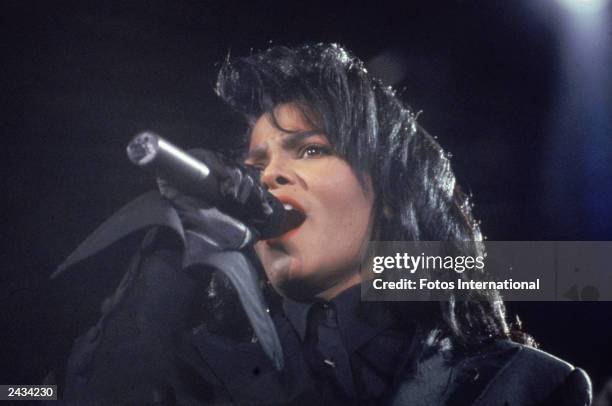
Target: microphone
{"points": [[230, 187]]}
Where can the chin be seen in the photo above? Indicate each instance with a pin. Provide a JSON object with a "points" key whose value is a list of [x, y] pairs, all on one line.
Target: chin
{"points": [[294, 288]]}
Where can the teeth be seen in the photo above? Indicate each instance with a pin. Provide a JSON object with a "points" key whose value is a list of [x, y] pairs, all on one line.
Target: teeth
{"points": [[287, 206]]}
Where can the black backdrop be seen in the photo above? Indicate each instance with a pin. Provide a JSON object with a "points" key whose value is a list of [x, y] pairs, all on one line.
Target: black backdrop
{"points": [[79, 81]]}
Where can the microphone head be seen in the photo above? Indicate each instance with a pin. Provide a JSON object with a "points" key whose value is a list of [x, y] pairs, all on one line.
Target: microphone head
{"points": [[143, 148]]}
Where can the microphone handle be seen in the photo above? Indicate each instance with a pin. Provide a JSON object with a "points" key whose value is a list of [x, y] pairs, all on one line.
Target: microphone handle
{"points": [[188, 174]]}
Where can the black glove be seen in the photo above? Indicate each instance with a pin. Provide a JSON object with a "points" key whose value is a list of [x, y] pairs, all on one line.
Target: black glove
{"points": [[216, 228]]}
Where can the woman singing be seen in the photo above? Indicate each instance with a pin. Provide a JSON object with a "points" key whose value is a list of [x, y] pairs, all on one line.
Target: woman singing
{"points": [[334, 144]]}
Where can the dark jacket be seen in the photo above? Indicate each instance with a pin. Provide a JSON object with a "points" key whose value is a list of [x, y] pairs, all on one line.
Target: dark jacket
{"points": [[149, 347]]}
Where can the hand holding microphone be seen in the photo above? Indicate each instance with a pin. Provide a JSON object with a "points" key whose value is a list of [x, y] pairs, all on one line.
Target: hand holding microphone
{"points": [[219, 202], [232, 188]]}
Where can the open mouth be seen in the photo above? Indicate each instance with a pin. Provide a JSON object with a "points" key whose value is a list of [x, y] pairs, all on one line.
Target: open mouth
{"points": [[293, 219], [294, 216]]}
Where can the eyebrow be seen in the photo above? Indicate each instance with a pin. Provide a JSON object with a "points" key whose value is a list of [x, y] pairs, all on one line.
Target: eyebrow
{"points": [[290, 140]]}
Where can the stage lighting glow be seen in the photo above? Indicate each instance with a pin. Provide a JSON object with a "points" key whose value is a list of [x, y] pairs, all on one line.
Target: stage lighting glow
{"points": [[585, 6]]}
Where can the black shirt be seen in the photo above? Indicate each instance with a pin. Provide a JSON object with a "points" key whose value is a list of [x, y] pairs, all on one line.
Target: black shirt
{"points": [[354, 349]]}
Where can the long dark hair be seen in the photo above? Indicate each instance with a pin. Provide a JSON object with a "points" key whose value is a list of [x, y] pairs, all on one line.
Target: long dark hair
{"points": [[417, 196]]}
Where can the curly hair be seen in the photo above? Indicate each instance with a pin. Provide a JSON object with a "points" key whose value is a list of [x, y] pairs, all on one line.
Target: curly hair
{"points": [[416, 193]]}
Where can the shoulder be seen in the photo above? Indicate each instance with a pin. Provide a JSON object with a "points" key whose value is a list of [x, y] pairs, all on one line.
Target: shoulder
{"points": [[532, 376], [502, 372]]}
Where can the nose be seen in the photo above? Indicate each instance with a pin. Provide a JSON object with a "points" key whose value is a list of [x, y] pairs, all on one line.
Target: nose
{"points": [[276, 174]]}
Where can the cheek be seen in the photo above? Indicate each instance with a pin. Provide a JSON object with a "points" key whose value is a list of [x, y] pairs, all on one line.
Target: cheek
{"points": [[342, 198], [345, 212]]}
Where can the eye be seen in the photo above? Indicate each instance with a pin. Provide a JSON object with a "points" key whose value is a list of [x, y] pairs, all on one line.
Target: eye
{"points": [[314, 150]]}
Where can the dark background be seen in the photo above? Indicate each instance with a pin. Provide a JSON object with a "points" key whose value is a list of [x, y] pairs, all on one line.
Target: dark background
{"points": [[527, 122]]}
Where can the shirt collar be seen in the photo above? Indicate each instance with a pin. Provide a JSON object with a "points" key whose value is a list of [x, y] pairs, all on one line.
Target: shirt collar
{"points": [[358, 321]]}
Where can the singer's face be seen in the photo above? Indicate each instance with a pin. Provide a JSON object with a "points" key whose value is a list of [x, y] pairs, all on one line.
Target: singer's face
{"points": [[320, 258]]}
